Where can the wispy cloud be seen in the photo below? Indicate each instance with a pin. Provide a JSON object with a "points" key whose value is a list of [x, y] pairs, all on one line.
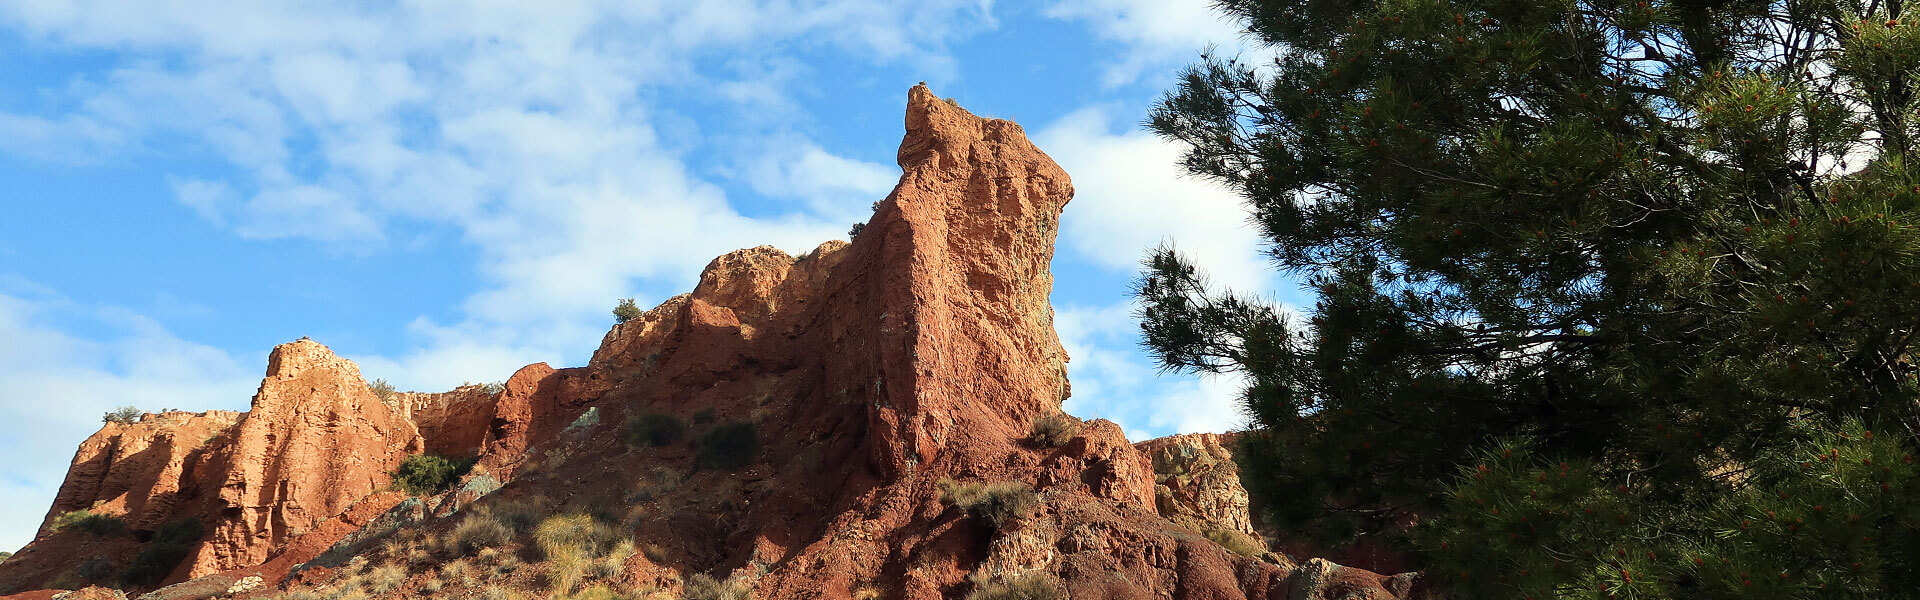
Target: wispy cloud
{"points": [[527, 128], [131, 361]]}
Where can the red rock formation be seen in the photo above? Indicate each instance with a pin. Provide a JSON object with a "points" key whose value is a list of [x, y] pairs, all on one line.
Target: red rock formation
{"points": [[316, 441], [870, 373], [1197, 483], [454, 423]]}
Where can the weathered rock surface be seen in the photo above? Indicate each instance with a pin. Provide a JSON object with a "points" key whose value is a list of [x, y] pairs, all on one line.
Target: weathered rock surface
{"points": [[315, 441], [1197, 484], [869, 373]]}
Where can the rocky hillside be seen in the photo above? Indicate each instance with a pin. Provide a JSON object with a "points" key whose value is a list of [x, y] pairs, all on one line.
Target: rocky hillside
{"points": [[879, 419]]}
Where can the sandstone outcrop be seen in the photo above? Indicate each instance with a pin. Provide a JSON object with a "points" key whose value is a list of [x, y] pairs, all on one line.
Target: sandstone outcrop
{"points": [[315, 441], [869, 376]]}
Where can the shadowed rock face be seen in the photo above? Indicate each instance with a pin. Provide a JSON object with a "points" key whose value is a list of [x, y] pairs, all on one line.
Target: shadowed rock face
{"points": [[870, 373]]}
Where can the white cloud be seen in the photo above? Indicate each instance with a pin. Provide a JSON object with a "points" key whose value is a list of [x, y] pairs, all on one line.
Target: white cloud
{"points": [[1158, 34], [528, 128], [1131, 194], [831, 185], [134, 361], [1114, 380]]}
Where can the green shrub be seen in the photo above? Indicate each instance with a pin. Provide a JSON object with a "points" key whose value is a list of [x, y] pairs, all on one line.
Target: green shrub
{"points": [[997, 502], [654, 429], [91, 522], [1236, 542], [5, 555], [1032, 585], [704, 587], [94, 569], [123, 415], [854, 232], [161, 555], [703, 416], [425, 474], [1053, 431], [728, 446], [382, 389], [626, 310]]}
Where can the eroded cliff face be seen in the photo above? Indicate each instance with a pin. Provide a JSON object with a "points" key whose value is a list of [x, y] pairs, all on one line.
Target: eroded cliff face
{"points": [[868, 372], [315, 441]]}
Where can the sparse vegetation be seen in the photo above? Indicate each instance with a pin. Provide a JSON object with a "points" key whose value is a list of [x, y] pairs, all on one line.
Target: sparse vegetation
{"points": [[170, 545], [124, 415], [855, 231], [1236, 542], [570, 543], [728, 446], [654, 429], [703, 416], [97, 568], [1053, 431], [997, 502], [494, 387], [704, 587], [1033, 585], [477, 531], [385, 578], [5, 555], [98, 524], [382, 389], [625, 311], [426, 474]]}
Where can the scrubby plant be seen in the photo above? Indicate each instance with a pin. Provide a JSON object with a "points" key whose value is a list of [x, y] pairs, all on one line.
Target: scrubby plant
{"points": [[5, 555], [479, 530], [626, 310], [382, 390], [170, 544], [997, 502], [654, 429], [854, 232], [97, 568], [1053, 431], [571, 543], [493, 387], [704, 587], [124, 415], [98, 524], [1032, 585], [385, 578], [426, 474], [728, 446], [1236, 542], [704, 416], [572, 533]]}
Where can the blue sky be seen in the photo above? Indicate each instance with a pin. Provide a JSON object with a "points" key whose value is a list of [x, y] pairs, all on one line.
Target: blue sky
{"points": [[445, 192]]}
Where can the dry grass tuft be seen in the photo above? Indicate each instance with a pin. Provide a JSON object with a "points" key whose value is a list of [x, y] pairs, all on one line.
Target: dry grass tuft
{"points": [[997, 502], [1053, 431]]}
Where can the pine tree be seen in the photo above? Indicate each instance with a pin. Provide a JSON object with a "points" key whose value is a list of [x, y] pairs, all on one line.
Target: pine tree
{"points": [[1614, 298]]}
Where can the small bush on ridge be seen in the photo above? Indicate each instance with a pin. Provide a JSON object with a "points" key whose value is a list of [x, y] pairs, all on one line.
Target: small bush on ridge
{"points": [[625, 311], [1053, 431], [123, 415]]}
